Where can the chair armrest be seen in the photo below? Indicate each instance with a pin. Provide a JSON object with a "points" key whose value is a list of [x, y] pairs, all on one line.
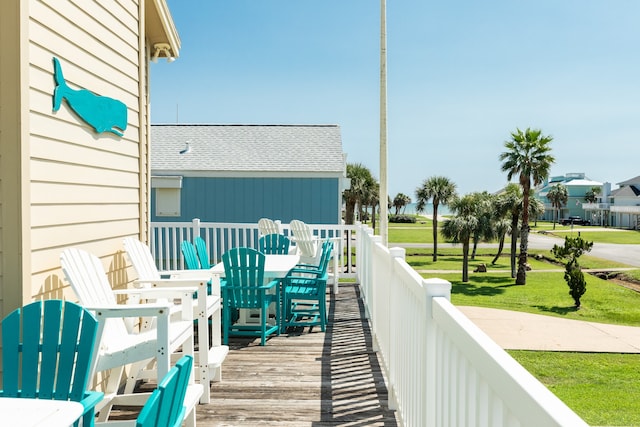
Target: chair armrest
{"points": [[154, 293], [202, 273], [131, 310], [214, 279], [91, 399]]}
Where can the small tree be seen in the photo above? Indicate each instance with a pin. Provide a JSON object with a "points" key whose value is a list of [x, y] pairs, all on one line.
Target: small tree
{"points": [[573, 248]]}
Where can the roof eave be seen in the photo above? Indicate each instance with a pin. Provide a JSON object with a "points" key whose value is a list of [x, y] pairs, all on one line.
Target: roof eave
{"points": [[160, 27]]}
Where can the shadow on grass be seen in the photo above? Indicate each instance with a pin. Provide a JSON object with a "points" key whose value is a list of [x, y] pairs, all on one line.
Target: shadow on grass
{"points": [[557, 310], [483, 286], [429, 261]]}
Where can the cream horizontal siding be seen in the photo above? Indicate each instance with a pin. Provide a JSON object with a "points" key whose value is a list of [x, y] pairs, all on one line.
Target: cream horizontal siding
{"points": [[121, 155], [84, 186], [76, 195], [44, 238], [46, 215]]}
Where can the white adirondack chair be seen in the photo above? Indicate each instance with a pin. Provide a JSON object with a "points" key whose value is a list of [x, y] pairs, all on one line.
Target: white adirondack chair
{"points": [[120, 344], [208, 357], [306, 242], [267, 226]]}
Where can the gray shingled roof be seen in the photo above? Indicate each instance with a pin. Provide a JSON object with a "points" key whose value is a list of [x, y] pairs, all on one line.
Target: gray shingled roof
{"points": [[247, 148]]}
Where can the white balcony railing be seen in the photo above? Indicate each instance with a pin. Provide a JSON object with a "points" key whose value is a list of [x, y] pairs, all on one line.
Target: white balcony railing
{"points": [[595, 206], [441, 369]]}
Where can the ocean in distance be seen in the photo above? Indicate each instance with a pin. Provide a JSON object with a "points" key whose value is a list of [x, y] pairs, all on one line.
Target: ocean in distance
{"points": [[410, 209]]}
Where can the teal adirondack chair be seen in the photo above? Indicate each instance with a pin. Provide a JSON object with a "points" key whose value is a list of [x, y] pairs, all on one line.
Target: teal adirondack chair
{"points": [[47, 350], [203, 252], [190, 256], [171, 404], [245, 289], [165, 406], [304, 293], [274, 244]]}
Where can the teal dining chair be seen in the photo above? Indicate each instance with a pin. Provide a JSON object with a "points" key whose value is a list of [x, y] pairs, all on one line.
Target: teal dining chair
{"points": [[47, 351], [245, 289], [274, 244], [304, 301]]}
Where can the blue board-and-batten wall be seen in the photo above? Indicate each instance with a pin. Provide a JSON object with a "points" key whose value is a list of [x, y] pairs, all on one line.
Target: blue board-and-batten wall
{"points": [[246, 200]]}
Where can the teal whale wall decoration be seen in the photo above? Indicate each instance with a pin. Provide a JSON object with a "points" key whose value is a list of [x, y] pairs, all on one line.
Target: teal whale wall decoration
{"points": [[100, 112]]}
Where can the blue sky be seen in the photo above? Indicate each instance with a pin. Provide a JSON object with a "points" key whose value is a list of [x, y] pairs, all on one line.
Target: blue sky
{"points": [[462, 75]]}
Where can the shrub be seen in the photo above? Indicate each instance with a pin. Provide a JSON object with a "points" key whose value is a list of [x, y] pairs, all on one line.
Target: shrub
{"points": [[402, 219], [573, 248]]}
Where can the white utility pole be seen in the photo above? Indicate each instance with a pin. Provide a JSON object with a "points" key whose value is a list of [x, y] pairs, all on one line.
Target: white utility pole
{"points": [[384, 226]]}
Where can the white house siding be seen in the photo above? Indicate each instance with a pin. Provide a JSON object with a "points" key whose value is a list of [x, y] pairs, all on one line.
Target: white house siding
{"points": [[85, 187]]}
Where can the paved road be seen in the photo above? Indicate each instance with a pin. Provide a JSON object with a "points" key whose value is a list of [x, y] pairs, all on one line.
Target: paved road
{"points": [[626, 254]]}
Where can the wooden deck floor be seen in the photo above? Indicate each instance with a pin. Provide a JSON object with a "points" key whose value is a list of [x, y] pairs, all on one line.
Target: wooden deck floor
{"points": [[304, 379]]}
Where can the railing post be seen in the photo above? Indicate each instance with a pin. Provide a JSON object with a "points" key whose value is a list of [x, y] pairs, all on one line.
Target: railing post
{"points": [[195, 228], [395, 252], [433, 288]]}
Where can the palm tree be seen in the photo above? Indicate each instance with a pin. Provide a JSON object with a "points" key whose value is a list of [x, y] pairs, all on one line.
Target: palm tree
{"points": [[558, 196], [512, 199], [527, 156], [484, 212], [361, 179], [400, 201], [461, 227], [506, 210], [372, 199], [440, 190]]}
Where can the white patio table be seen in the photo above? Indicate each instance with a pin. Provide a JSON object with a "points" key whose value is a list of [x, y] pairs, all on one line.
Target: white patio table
{"points": [[275, 267], [27, 412]]}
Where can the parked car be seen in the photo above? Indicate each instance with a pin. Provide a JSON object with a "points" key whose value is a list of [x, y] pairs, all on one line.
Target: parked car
{"points": [[575, 220]]}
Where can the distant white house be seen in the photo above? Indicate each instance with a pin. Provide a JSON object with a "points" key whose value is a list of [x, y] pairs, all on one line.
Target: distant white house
{"points": [[578, 185], [624, 204]]}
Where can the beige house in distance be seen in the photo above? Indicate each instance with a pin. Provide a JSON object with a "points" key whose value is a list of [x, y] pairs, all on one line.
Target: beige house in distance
{"points": [[66, 177]]}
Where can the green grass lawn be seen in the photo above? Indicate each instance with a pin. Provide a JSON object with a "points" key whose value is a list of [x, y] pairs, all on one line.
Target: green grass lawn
{"points": [[602, 388]]}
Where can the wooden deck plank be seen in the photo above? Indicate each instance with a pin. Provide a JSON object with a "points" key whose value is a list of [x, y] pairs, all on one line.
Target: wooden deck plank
{"points": [[305, 378]]}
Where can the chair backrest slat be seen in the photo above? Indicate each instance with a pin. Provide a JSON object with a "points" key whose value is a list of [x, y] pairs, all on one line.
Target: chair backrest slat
{"points": [[165, 407], [141, 258], [85, 273], [244, 274], [190, 255], [306, 242], [274, 244], [49, 347], [203, 252], [267, 226]]}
